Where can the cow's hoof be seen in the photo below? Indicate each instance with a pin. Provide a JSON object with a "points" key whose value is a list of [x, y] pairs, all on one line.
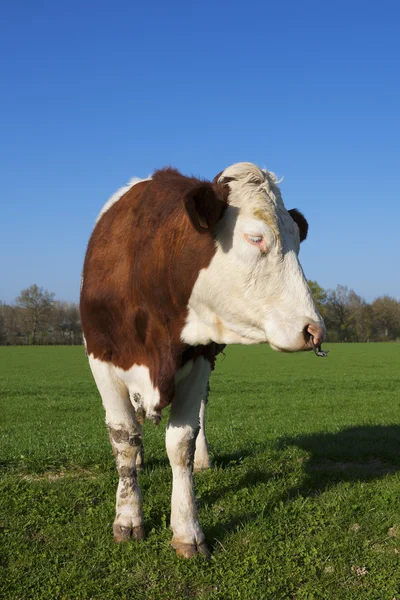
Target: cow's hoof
{"points": [[138, 532], [190, 550], [124, 534], [121, 533], [203, 549], [197, 468]]}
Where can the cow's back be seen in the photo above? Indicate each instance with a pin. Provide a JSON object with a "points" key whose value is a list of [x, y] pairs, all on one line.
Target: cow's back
{"points": [[106, 296]]}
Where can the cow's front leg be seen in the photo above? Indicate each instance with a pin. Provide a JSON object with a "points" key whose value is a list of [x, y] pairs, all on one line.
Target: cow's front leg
{"points": [[201, 455], [182, 429]]}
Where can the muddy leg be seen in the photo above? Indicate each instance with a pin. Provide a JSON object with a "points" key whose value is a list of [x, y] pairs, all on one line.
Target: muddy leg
{"points": [[126, 438], [128, 521]]}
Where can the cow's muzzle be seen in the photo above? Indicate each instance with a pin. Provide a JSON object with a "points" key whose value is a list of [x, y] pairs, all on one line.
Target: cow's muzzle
{"points": [[314, 335]]}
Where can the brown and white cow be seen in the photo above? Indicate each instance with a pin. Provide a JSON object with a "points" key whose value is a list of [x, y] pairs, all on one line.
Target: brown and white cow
{"points": [[175, 267]]}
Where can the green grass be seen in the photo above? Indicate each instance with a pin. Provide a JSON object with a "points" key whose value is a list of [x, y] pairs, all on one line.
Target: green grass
{"points": [[303, 500]]}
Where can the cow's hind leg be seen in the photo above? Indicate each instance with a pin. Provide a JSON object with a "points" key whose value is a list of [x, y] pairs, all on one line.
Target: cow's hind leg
{"points": [[182, 429], [201, 455], [140, 457], [126, 438]]}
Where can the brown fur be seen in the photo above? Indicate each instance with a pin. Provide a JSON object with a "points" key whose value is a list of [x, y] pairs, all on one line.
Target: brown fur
{"points": [[142, 262]]}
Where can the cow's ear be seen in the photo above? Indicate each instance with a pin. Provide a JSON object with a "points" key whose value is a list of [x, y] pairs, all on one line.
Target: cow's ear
{"points": [[301, 222], [204, 206]]}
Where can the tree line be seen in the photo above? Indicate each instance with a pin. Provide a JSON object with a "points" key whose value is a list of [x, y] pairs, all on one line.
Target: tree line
{"points": [[37, 318], [349, 318]]}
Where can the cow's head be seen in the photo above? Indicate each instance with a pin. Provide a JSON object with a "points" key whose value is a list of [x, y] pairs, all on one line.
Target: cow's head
{"points": [[254, 289]]}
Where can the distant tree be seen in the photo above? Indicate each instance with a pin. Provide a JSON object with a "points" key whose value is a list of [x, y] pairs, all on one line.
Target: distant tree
{"points": [[366, 323], [38, 304], [359, 327], [12, 324], [37, 318], [319, 295], [340, 314], [386, 311], [66, 323], [3, 332]]}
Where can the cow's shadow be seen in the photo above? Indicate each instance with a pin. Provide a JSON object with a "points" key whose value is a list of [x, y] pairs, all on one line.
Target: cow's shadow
{"points": [[218, 460], [231, 459], [361, 453]]}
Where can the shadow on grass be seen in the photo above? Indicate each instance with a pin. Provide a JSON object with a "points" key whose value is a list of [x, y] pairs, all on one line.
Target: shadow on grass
{"points": [[152, 463], [360, 453], [219, 531], [236, 457], [219, 460]]}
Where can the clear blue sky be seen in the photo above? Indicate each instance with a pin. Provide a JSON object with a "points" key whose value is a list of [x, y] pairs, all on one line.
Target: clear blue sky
{"points": [[93, 93]]}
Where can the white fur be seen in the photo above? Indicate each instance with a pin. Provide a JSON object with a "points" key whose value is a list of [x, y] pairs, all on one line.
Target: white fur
{"points": [[114, 393], [118, 194], [142, 393], [120, 416], [180, 436], [201, 455], [245, 295], [118, 389], [135, 384]]}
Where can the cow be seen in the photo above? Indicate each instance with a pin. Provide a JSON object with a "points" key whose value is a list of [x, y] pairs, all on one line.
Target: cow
{"points": [[177, 267]]}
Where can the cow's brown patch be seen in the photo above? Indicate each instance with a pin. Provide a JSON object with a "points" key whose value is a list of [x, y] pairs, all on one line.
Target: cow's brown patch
{"points": [[142, 262]]}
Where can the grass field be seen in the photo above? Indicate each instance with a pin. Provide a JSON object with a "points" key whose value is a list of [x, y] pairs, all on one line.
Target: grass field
{"points": [[303, 500]]}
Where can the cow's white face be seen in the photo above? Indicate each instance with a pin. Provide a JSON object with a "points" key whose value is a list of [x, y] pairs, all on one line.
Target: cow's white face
{"points": [[254, 289]]}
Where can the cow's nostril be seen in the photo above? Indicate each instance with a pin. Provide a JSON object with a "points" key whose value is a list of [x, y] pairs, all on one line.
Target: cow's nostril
{"points": [[306, 333], [316, 332]]}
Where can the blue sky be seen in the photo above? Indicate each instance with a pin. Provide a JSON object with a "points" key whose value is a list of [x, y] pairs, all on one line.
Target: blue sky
{"points": [[93, 93]]}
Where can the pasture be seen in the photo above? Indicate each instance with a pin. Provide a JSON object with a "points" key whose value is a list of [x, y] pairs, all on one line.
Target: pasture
{"points": [[303, 500]]}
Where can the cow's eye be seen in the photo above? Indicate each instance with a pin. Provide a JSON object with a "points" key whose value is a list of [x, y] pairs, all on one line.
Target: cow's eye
{"points": [[254, 239]]}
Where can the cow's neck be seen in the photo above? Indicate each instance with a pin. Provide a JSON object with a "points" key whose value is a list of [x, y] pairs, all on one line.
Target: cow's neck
{"points": [[209, 327]]}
